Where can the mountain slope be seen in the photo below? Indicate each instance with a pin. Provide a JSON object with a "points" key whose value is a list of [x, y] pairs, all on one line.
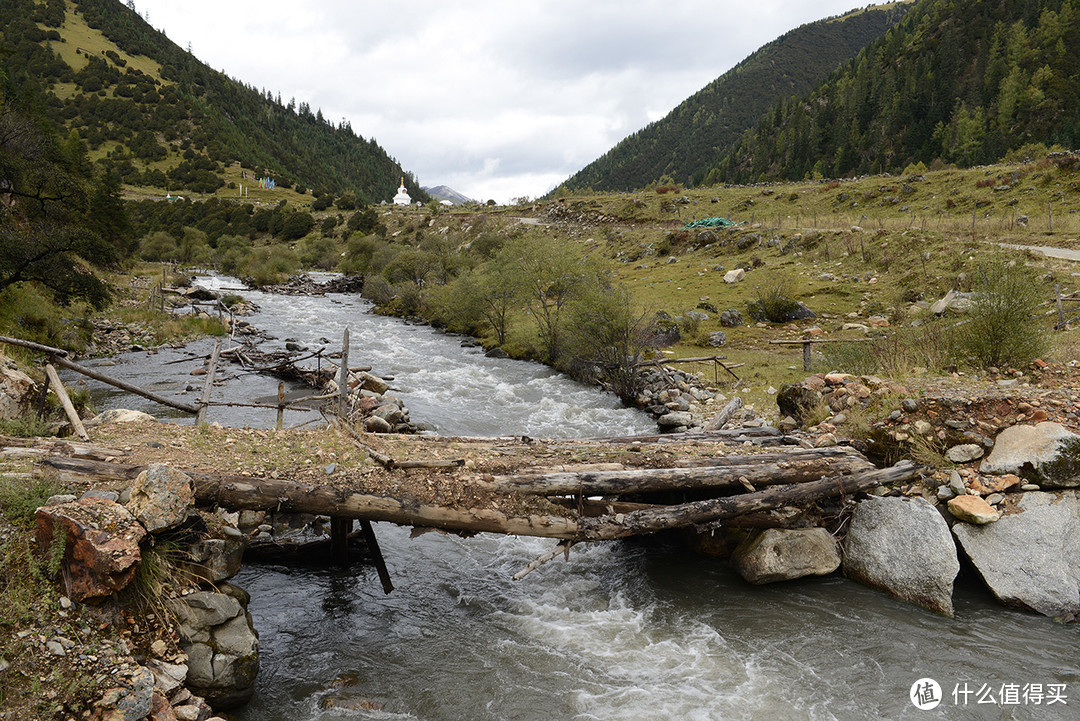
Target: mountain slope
{"points": [[155, 115], [690, 139], [961, 81]]}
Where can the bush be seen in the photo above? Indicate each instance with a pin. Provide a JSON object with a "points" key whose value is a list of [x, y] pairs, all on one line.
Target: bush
{"points": [[771, 304], [1003, 328]]}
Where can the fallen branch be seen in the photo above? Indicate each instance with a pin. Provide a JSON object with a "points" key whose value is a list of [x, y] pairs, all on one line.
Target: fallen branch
{"points": [[562, 547]]}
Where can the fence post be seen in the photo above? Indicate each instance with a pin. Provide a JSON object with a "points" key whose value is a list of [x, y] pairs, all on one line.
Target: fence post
{"points": [[343, 377]]}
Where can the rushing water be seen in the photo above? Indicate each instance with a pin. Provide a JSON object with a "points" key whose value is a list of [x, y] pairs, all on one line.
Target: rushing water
{"points": [[638, 630]]}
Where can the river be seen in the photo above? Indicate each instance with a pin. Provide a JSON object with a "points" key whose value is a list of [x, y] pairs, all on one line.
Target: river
{"points": [[639, 630]]}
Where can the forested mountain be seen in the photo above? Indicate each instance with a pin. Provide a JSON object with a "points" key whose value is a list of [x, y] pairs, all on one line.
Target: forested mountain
{"points": [[153, 114], [695, 135], [963, 81]]}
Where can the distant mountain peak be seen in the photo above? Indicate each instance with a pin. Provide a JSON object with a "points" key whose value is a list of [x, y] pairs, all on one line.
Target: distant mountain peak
{"points": [[445, 192]]}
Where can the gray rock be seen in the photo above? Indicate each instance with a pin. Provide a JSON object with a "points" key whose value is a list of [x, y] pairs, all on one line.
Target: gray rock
{"points": [[674, 419], [784, 554], [964, 453], [717, 338], [112, 496], [132, 699], [731, 318], [956, 484], [1030, 558], [161, 497], [221, 644], [217, 559], [903, 546], [910, 405], [120, 415], [1046, 453]]}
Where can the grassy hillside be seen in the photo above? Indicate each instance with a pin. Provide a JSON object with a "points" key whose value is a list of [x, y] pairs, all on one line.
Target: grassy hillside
{"points": [[155, 116], [694, 136]]}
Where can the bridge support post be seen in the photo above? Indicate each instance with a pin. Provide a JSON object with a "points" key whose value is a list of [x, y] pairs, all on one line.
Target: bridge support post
{"points": [[340, 528]]}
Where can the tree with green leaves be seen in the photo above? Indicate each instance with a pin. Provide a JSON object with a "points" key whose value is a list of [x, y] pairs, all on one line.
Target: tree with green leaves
{"points": [[55, 225]]}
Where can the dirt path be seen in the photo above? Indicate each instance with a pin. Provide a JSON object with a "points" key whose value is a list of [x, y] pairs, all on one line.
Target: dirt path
{"points": [[1062, 253]]}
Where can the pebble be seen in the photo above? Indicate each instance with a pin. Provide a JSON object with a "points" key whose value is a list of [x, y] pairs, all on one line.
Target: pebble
{"points": [[944, 493], [55, 649], [910, 405], [1030, 487], [995, 498], [956, 484]]}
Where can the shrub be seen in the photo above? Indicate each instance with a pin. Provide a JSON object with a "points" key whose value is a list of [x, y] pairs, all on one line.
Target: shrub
{"points": [[771, 304], [1003, 328]]}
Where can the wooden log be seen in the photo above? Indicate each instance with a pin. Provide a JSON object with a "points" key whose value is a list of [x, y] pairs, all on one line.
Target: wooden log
{"points": [[273, 494], [719, 509], [122, 385], [724, 415], [343, 378], [85, 471], [63, 447], [653, 480], [204, 398], [57, 352], [69, 409], [376, 556]]}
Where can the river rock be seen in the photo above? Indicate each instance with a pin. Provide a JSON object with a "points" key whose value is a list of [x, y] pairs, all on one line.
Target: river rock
{"points": [[161, 497], [972, 509], [777, 554], [675, 419], [903, 546], [216, 559], [101, 549], [222, 647], [1031, 557], [131, 699], [372, 383], [963, 453], [120, 415], [16, 389], [1046, 453]]}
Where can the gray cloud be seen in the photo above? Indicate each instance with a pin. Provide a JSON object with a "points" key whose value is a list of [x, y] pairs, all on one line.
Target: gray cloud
{"points": [[495, 99]]}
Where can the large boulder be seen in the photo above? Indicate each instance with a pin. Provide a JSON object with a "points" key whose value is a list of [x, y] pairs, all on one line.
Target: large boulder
{"points": [[17, 389], [161, 497], [100, 545], [903, 546], [777, 554], [221, 643], [798, 401], [1030, 557], [1047, 453]]}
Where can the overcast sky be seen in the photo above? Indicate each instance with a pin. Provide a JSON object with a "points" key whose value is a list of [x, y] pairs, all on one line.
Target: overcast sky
{"points": [[494, 99]]}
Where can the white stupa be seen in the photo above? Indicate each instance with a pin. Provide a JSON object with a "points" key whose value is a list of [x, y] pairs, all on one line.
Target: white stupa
{"points": [[402, 197]]}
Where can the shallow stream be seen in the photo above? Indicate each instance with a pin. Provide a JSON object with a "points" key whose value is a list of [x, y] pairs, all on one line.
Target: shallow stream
{"points": [[638, 630]]}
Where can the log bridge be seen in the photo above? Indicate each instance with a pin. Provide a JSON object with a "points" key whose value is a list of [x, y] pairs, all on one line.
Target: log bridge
{"points": [[693, 483]]}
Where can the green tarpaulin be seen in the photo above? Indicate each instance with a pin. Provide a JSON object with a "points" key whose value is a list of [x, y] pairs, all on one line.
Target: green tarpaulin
{"points": [[710, 223]]}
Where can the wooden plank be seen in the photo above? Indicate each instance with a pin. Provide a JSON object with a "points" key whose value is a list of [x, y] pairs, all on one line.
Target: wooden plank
{"points": [[208, 386], [69, 409]]}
